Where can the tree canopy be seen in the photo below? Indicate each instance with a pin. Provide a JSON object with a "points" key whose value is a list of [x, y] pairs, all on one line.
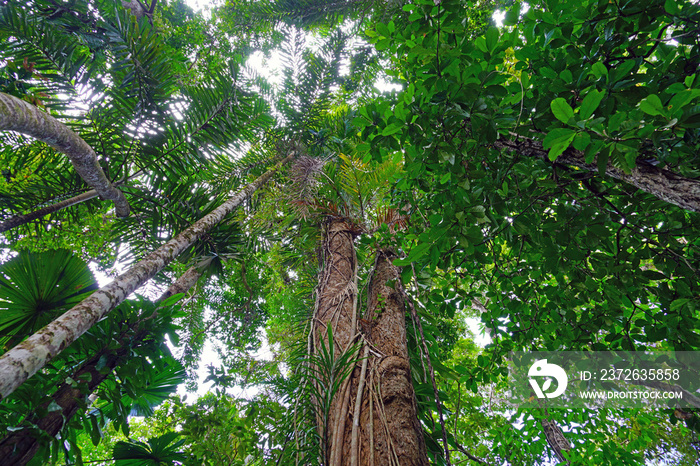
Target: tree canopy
{"points": [[340, 229]]}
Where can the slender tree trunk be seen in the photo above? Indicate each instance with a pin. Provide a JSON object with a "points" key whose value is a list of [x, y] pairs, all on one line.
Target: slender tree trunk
{"points": [[19, 447], [372, 419], [18, 115], [664, 184], [18, 220], [555, 439], [25, 359], [183, 284]]}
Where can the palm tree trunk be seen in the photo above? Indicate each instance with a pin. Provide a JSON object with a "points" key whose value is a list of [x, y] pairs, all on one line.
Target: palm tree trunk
{"points": [[19, 447], [18, 220], [664, 184], [25, 359], [372, 418], [18, 115]]}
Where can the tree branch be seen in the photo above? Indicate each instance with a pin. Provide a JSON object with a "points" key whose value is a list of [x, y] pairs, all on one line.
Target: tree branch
{"points": [[664, 184]]}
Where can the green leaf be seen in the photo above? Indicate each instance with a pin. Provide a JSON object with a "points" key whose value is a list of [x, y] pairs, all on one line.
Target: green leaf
{"points": [[652, 105], [391, 129], [557, 141], [590, 103], [679, 303], [491, 37], [599, 70], [562, 110], [581, 141], [415, 254], [37, 287], [671, 6], [512, 15], [681, 99]]}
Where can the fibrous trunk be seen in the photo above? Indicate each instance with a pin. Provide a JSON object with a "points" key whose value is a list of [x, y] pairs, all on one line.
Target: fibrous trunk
{"points": [[336, 307], [390, 426], [372, 419]]}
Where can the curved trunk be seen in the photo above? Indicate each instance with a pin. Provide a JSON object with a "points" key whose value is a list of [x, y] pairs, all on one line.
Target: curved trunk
{"points": [[25, 359], [19, 447], [18, 115], [372, 419], [665, 185], [31, 216]]}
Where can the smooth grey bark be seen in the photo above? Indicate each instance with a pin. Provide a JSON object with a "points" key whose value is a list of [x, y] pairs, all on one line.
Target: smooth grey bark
{"points": [[25, 359], [183, 284], [18, 220], [664, 184], [18, 115]]}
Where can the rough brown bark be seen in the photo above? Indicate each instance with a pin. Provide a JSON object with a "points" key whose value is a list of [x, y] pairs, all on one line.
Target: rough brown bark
{"points": [[664, 184], [19, 447], [25, 359], [336, 297], [18, 115], [388, 431], [31, 216], [555, 439], [401, 435]]}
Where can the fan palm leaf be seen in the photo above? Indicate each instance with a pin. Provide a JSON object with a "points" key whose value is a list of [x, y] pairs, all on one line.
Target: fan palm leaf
{"points": [[37, 287]]}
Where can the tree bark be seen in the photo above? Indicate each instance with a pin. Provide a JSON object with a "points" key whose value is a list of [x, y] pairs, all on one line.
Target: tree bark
{"points": [[18, 115], [336, 306], [25, 359], [183, 284], [19, 447], [372, 419], [18, 220], [399, 435], [664, 184]]}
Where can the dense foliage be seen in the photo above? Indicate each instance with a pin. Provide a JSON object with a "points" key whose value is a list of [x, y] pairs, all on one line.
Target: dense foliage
{"points": [[539, 177]]}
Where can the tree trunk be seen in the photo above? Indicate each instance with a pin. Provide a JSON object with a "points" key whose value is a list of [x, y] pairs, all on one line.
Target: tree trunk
{"points": [[395, 432], [18, 115], [25, 359], [372, 419], [336, 306], [19, 447], [665, 185], [18, 220]]}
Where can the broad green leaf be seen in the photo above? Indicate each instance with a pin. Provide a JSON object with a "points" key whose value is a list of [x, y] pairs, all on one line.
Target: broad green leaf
{"points": [[491, 37], [562, 110], [557, 141], [652, 105], [590, 103]]}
